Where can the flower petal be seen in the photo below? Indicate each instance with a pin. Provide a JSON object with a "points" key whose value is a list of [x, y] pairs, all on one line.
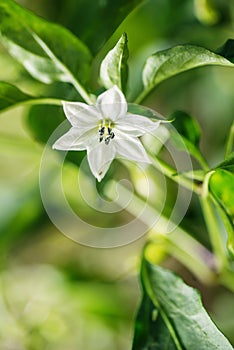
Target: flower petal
{"points": [[76, 139], [122, 134], [112, 104], [132, 149], [80, 114], [136, 125], [100, 158]]}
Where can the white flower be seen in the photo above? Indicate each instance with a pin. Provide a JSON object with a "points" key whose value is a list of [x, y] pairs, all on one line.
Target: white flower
{"points": [[106, 130]]}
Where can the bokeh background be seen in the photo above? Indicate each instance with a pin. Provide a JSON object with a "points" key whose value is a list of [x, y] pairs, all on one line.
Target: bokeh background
{"points": [[55, 293]]}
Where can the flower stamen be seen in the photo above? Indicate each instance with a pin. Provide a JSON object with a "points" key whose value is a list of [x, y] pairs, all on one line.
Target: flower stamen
{"points": [[106, 134], [107, 123]]}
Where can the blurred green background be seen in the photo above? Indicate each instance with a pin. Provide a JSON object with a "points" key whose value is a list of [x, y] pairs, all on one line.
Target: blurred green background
{"points": [[55, 293]]}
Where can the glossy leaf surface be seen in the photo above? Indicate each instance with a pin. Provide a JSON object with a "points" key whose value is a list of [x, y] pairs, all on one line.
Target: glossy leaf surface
{"points": [[184, 321], [114, 69], [165, 64], [32, 41], [222, 186]]}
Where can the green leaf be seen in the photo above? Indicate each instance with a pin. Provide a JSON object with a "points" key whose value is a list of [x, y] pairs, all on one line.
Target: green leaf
{"points": [[95, 21], [227, 164], [10, 96], [146, 111], [114, 69], [186, 127], [186, 135], [40, 68], [181, 312], [221, 185], [150, 329], [165, 64], [20, 208], [42, 121], [34, 42], [227, 50]]}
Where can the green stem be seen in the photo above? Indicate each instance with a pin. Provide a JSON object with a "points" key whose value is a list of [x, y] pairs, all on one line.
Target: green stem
{"points": [[186, 249], [199, 157], [35, 101], [142, 96], [213, 227], [70, 77], [228, 225], [43, 101], [179, 243], [191, 254], [79, 88], [171, 173], [226, 278]]}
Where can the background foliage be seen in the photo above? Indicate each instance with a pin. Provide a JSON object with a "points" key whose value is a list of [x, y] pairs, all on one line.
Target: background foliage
{"points": [[55, 293]]}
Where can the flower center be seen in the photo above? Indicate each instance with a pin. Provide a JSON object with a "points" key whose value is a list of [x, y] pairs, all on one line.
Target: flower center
{"points": [[105, 133]]}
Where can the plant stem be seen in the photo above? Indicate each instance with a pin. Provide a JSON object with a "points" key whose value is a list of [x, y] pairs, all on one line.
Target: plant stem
{"points": [[43, 101], [36, 101], [213, 227], [226, 278], [70, 77], [171, 173], [142, 96], [199, 157], [79, 88], [228, 226], [178, 242]]}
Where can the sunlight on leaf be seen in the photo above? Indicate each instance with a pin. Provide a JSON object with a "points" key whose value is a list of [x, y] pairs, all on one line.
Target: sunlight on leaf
{"points": [[165, 64], [114, 69], [40, 68], [18, 25], [222, 186]]}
